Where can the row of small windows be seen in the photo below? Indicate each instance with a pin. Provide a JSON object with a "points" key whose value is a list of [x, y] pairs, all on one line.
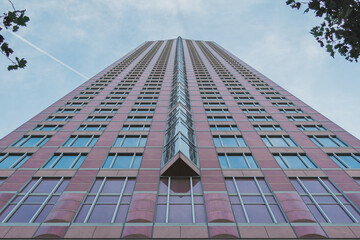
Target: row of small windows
{"points": [[265, 127], [90, 127]]}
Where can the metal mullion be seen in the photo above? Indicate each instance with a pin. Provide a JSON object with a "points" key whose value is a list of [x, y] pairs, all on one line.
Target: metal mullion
{"points": [[168, 201], [238, 143], [46, 200], [95, 199], [338, 201], [246, 160], [41, 140], [21, 201], [138, 141], [302, 159], [341, 161], [119, 200], [21, 142], [316, 139], [267, 138], [3, 157], [241, 201], [192, 200], [313, 200], [132, 160], [113, 161], [122, 140], [286, 140], [57, 160], [227, 160], [19, 160], [72, 142], [356, 157], [89, 141], [75, 161], [266, 202]]}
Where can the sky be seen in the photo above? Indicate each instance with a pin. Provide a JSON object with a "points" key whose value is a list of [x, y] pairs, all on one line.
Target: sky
{"points": [[88, 36]]}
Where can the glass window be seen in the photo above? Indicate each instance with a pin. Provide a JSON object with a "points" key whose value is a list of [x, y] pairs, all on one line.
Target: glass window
{"points": [[253, 110], [107, 201], [180, 200], [327, 141], [252, 201], [311, 127], [58, 118], [300, 118], [81, 141], [278, 141], [132, 127], [223, 128], [105, 110], [291, 110], [88, 127], [13, 160], [325, 201], [123, 160], [248, 104], [35, 201], [31, 141], [143, 110], [296, 160], [139, 118], [110, 104], [237, 160], [130, 141], [260, 118], [48, 127], [220, 118], [99, 118], [68, 110], [229, 141], [349, 160], [267, 128], [65, 160]]}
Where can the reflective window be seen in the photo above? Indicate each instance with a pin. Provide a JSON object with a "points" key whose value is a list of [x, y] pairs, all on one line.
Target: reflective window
{"points": [[300, 118], [325, 201], [13, 160], [267, 128], [58, 118], [237, 160], [349, 160], [139, 118], [311, 127], [130, 141], [99, 118], [35, 201], [89, 127], [65, 160], [180, 200], [278, 141], [253, 110], [252, 201], [107, 201], [291, 110], [31, 141], [260, 118], [123, 160], [223, 127], [294, 160], [229, 141], [81, 141], [48, 127], [105, 110], [132, 127], [68, 110], [220, 118], [327, 141]]}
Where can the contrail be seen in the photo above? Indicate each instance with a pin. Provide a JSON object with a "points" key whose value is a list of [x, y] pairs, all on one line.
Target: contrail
{"points": [[47, 54]]}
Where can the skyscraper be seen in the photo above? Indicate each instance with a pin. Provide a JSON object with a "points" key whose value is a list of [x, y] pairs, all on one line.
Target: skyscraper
{"points": [[179, 139]]}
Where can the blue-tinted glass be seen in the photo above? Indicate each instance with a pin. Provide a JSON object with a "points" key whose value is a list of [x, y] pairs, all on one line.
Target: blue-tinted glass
{"points": [[229, 141], [278, 142], [280, 161], [31, 142], [294, 162], [338, 141], [79, 162], [21, 162], [290, 142], [142, 142], [93, 141], [237, 161], [241, 141], [251, 162], [266, 141], [118, 141], [81, 142], [223, 162], [65, 161], [10, 160], [327, 142], [350, 161], [130, 141], [137, 162], [108, 161], [123, 161]]}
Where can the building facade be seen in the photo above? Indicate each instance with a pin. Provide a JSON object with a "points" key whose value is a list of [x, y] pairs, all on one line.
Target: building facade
{"points": [[179, 139]]}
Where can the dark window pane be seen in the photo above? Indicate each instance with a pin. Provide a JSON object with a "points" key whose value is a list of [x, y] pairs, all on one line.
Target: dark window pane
{"points": [[102, 214], [180, 214]]}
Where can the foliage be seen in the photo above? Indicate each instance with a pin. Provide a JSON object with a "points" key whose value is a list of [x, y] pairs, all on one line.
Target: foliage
{"points": [[340, 29], [12, 21]]}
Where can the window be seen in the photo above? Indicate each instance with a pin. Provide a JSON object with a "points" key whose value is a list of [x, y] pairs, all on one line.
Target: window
{"points": [[267, 128], [65, 160], [223, 127], [295, 160], [349, 160], [68, 110], [123, 160], [180, 200], [327, 141], [81, 141], [115, 98], [89, 127], [300, 119], [283, 104], [132, 127], [35, 201], [130, 141], [107, 201], [58, 118], [237, 160], [275, 98], [82, 98], [253, 110], [311, 127], [290, 110], [105, 110], [143, 110], [99, 118], [220, 118], [229, 141], [48, 127], [252, 201], [145, 104], [76, 104], [31, 141], [278, 141], [139, 118], [260, 118], [216, 110], [212, 104], [110, 104], [325, 201], [13, 160], [248, 104]]}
